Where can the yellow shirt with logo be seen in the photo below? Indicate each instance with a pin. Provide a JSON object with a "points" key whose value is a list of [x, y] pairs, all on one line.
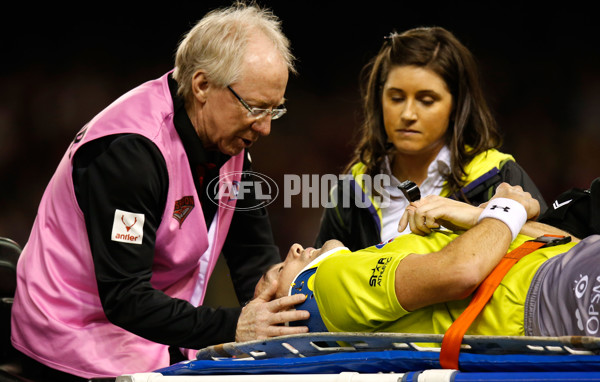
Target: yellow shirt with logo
{"points": [[355, 291]]}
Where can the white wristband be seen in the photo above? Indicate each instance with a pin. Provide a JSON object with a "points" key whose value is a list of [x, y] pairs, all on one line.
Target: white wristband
{"points": [[510, 212]]}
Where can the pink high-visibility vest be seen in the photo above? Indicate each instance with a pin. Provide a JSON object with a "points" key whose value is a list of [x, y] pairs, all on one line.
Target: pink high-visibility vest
{"points": [[57, 316]]}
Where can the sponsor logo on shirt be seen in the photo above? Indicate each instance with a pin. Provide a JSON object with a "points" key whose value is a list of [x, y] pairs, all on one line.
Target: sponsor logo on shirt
{"points": [[182, 209], [378, 271], [128, 227], [588, 321], [383, 243]]}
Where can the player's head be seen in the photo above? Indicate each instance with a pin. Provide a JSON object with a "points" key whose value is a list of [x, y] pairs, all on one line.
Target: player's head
{"points": [[297, 258]]}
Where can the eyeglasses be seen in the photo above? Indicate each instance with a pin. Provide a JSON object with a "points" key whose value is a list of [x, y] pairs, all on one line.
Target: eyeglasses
{"points": [[258, 113]]}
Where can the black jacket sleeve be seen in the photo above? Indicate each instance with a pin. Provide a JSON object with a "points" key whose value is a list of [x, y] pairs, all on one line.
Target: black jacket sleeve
{"points": [[512, 173], [129, 173], [250, 247]]}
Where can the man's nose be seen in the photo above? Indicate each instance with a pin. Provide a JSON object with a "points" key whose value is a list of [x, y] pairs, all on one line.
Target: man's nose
{"points": [[297, 248], [262, 126]]}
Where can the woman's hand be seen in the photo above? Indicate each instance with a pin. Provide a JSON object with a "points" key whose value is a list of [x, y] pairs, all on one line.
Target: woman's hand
{"points": [[433, 211]]}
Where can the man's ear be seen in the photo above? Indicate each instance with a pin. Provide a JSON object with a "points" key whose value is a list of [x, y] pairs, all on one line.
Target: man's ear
{"points": [[200, 86]]}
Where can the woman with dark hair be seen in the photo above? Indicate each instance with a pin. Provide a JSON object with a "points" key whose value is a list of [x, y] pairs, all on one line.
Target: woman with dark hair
{"points": [[425, 120]]}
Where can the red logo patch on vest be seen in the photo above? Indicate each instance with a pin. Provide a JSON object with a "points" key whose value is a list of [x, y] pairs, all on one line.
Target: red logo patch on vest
{"points": [[183, 207]]}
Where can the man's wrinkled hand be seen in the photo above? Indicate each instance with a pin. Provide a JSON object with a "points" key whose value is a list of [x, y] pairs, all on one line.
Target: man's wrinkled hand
{"points": [[264, 317]]}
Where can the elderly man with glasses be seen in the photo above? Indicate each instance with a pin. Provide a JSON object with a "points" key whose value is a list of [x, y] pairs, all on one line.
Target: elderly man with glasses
{"points": [[113, 276]]}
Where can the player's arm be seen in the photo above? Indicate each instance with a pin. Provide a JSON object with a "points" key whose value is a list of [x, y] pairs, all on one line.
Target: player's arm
{"points": [[456, 270], [434, 211], [536, 229]]}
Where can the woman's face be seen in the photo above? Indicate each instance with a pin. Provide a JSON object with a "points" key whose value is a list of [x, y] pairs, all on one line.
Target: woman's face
{"points": [[416, 110]]}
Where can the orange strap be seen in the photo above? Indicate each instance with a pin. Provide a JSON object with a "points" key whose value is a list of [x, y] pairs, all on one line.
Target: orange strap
{"points": [[455, 333]]}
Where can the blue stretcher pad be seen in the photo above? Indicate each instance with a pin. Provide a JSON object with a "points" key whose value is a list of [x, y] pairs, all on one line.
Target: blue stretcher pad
{"points": [[407, 356]]}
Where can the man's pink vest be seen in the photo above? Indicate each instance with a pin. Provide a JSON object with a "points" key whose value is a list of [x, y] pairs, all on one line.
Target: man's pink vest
{"points": [[57, 316]]}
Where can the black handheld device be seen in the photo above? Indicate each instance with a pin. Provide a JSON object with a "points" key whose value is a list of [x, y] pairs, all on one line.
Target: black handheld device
{"points": [[410, 190]]}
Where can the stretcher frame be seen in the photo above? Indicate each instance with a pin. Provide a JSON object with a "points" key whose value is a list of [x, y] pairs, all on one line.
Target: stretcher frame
{"points": [[386, 357]]}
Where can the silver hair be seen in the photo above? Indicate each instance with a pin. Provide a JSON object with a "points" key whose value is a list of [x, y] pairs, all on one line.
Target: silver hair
{"points": [[217, 43]]}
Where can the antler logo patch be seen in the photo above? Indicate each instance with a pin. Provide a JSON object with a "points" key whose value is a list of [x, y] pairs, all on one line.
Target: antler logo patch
{"points": [[183, 207], [128, 227]]}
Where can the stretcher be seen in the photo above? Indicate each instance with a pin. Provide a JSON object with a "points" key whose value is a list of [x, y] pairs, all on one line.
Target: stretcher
{"points": [[382, 357]]}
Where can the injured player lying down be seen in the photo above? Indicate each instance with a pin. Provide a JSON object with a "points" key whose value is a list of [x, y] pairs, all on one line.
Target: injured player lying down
{"points": [[421, 282]]}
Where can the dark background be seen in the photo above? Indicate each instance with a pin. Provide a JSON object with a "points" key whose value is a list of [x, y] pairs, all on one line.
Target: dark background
{"points": [[61, 66]]}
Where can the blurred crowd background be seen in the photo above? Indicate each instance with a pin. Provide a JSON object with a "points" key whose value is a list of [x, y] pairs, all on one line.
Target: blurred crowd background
{"points": [[60, 66]]}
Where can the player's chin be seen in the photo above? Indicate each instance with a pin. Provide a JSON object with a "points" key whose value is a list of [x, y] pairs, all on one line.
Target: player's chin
{"points": [[331, 244]]}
